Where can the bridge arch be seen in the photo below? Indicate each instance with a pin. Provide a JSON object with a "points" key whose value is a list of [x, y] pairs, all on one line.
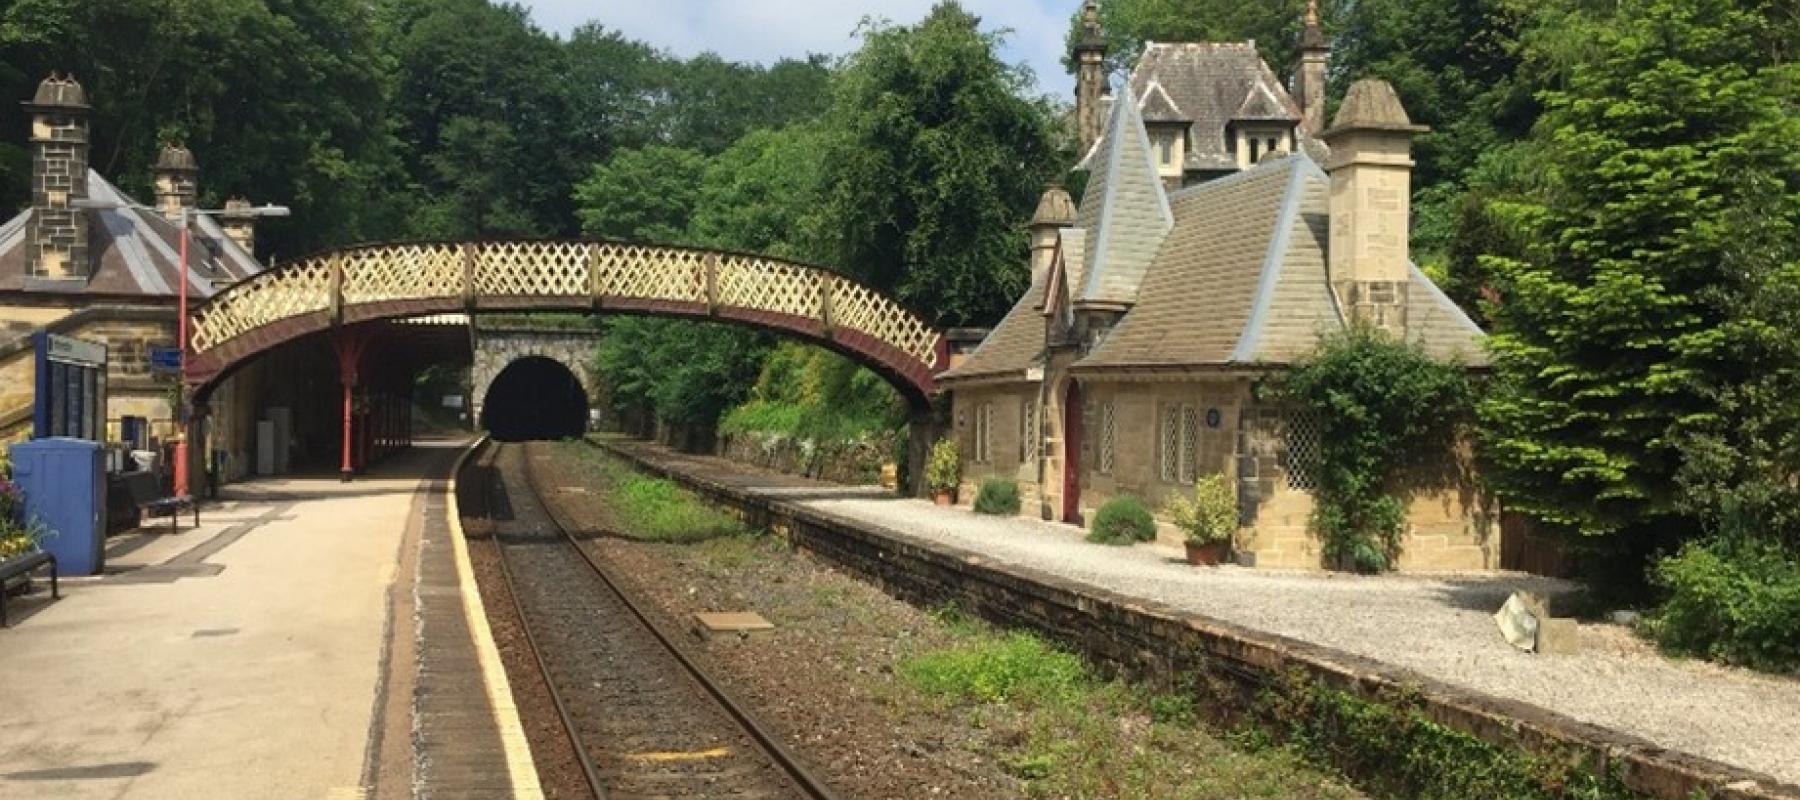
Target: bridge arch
{"points": [[395, 281]]}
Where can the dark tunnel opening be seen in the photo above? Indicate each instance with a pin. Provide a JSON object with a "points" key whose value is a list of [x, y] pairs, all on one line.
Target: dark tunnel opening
{"points": [[535, 398]]}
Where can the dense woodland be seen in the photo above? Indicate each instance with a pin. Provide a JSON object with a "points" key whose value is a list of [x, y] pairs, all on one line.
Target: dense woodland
{"points": [[1613, 188]]}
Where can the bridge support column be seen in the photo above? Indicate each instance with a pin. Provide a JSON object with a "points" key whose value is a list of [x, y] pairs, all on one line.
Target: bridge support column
{"points": [[350, 344]]}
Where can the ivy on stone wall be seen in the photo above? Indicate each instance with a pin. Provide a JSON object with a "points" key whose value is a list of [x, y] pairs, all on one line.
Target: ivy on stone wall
{"points": [[1381, 406]]}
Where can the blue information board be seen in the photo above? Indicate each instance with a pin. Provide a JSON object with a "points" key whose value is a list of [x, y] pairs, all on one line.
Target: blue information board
{"points": [[71, 388]]}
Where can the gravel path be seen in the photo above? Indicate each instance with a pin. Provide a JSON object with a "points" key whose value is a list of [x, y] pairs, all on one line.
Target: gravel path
{"points": [[1439, 626]]}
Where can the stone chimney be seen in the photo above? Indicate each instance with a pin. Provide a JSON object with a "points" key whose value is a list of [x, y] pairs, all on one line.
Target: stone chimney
{"points": [[1091, 87], [177, 181], [1055, 211], [58, 232], [1371, 204], [240, 224], [1315, 53]]}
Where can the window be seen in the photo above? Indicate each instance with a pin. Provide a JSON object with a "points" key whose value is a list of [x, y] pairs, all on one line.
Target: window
{"points": [[1180, 451], [1029, 435], [1165, 143], [1108, 434], [1300, 450], [1255, 144], [1272, 146], [984, 432]]}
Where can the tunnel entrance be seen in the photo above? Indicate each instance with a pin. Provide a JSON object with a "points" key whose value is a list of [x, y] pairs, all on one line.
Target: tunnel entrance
{"points": [[535, 398]]}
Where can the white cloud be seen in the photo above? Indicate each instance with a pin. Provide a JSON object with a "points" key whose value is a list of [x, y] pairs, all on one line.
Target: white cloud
{"points": [[766, 30]]}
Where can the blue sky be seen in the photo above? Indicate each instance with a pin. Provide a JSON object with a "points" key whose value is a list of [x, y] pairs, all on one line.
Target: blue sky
{"points": [[764, 30]]}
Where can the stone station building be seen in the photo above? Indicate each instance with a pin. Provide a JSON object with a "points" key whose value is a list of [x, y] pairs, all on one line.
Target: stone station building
{"points": [[1221, 233], [112, 275]]}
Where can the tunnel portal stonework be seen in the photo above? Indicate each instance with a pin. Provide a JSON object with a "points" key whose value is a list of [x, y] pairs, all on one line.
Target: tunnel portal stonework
{"points": [[498, 348]]}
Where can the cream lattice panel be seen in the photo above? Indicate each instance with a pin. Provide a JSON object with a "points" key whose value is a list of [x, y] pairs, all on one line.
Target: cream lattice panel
{"points": [[297, 289], [560, 270], [409, 272], [863, 309], [531, 269], [753, 283]]}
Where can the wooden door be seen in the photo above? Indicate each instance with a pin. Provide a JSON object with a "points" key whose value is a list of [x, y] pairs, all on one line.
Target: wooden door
{"points": [[1071, 488]]}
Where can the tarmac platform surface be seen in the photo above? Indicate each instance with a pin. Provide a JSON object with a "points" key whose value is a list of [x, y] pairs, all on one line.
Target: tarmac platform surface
{"points": [[274, 651]]}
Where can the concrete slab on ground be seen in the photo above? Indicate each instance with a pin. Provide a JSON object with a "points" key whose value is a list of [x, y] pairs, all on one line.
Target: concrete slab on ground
{"points": [[240, 659]]}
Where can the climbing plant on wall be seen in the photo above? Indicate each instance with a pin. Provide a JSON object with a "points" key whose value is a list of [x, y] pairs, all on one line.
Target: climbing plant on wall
{"points": [[1381, 405]]}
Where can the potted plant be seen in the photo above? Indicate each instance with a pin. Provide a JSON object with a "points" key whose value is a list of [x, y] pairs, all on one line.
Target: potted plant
{"points": [[1208, 520], [943, 471]]}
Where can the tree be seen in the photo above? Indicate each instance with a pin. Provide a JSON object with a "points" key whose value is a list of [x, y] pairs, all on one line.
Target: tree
{"points": [[936, 162], [1667, 201], [647, 194]]}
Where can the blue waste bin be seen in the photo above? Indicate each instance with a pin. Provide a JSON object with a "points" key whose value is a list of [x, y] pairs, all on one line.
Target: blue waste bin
{"points": [[64, 481]]}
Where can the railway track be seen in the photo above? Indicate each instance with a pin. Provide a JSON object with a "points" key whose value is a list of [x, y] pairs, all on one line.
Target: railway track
{"points": [[644, 720]]}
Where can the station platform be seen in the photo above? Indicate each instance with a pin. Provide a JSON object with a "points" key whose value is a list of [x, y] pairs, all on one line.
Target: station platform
{"points": [[308, 640]]}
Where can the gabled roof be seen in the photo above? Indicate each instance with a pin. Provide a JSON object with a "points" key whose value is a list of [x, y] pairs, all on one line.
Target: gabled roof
{"points": [[1158, 106], [1014, 346], [1242, 281], [133, 251], [1124, 211], [1211, 84]]}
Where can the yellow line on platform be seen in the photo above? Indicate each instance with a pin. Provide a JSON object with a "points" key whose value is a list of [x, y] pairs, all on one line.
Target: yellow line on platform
{"points": [[697, 755], [520, 769]]}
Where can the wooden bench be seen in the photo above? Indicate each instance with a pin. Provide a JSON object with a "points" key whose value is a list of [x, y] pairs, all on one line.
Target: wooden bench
{"points": [[22, 565], [147, 495]]}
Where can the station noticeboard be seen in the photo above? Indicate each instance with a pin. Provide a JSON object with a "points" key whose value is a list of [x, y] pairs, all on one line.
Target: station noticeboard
{"points": [[71, 388]]}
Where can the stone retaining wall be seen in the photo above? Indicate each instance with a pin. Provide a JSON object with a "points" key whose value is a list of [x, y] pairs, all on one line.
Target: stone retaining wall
{"points": [[1234, 664]]}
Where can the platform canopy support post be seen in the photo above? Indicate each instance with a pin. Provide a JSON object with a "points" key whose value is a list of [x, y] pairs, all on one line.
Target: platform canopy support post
{"points": [[350, 344]]}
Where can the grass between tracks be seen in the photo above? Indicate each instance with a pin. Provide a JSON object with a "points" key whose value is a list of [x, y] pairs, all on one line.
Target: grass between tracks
{"points": [[652, 509], [1066, 732]]}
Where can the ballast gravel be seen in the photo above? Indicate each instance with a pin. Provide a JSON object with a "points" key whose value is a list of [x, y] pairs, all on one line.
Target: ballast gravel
{"points": [[1441, 627]]}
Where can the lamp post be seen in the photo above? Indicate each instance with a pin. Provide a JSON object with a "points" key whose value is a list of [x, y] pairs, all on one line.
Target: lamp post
{"points": [[184, 224]]}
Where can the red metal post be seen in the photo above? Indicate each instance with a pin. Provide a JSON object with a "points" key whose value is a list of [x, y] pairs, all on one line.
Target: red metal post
{"points": [[350, 344], [181, 347]]}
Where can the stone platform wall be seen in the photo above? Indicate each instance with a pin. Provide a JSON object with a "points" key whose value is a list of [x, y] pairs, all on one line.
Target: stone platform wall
{"points": [[1234, 665]]}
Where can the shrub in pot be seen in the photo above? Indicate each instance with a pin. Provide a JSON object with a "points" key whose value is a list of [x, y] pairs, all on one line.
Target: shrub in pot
{"points": [[943, 471], [1207, 520], [1122, 520], [998, 497]]}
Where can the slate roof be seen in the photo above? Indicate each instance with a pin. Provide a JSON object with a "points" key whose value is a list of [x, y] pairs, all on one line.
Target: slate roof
{"points": [[135, 253], [1207, 85], [1014, 346], [1124, 211], [1242, 281]]}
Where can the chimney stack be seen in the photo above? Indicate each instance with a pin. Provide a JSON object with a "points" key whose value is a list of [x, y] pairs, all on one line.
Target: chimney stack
{"points": [[1315, 53], [1091, 86], [1055, 211], [177, 186], [58, 232], [1371, 204], [240, 224]]}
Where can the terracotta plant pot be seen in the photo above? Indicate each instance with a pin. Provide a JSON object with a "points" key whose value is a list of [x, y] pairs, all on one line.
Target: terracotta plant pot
{"points": [[1208, 554], [944, 498]]}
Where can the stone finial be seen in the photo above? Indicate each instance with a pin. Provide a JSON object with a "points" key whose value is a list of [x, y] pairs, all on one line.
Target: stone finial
{"points": [[1371, 204], [57, 233], [1055, 208], [176, 177], [1372, 105], [1312, 35], [60, 92], [1055, 211], [239, 222]]}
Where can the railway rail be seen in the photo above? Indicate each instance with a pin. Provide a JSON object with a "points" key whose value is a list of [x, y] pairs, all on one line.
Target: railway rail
{"points": [[644, 719]]}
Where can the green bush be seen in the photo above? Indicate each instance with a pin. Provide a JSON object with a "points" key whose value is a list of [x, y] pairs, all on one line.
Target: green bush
{"points": [[1016, 666], [659, 510], [1122, 520], [998, 496], [1732, 600], [1211, 515], [943, 470]]}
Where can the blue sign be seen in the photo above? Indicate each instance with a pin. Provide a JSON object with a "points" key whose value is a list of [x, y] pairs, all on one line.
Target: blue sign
{"points": [[168, 358]]}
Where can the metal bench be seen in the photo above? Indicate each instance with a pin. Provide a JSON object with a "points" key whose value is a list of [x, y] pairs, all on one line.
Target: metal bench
{"points": [[23, 565], [147, 495]]}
